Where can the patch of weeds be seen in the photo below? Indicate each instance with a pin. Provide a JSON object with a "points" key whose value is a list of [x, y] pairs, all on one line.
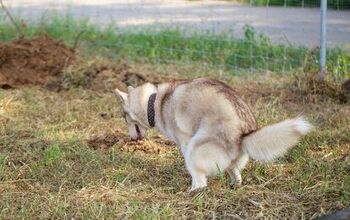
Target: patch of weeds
{"points": [[199, 205], [221, 174], [296, 153], [345, 194], [118, 176], [139, 211], [2, 164], [260, 173], [166, 212], [52, 154]]}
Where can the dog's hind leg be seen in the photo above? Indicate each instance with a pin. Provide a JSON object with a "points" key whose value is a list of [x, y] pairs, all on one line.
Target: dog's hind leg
{"points": [[205, 158], [199, 178], [235, 176], [234, 170]]}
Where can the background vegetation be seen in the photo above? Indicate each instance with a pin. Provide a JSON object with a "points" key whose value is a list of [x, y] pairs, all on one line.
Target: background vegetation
{"points": [[251, 53]]}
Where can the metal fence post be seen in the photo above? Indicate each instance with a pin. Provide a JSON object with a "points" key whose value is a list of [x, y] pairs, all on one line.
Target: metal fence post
{"points": [[323, 38]]}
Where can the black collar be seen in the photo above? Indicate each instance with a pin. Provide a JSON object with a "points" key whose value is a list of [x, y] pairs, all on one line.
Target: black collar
{"points": [[150, 109]]}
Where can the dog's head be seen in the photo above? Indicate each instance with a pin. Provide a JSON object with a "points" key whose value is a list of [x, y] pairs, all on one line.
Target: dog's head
{"points": [[134, 109]]}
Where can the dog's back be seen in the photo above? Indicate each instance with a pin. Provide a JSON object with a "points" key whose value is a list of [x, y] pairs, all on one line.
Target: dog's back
{"points": [[186, 106]]}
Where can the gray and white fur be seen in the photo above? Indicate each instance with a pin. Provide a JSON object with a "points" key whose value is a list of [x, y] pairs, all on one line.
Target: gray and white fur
{"points": [[214, 127]]}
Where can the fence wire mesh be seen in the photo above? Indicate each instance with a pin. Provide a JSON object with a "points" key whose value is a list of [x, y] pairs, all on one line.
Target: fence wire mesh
{"points": [[243, 35]]}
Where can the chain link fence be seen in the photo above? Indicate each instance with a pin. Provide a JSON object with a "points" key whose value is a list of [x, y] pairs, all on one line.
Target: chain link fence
{"points": [[244, 35]]}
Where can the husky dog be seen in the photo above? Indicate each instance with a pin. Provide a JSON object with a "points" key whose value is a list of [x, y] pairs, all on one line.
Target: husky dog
{"points": [[214, 127]]}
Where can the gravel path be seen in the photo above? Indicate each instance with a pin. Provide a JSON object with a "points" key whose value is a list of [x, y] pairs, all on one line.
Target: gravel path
{"points": [[283, 25]]}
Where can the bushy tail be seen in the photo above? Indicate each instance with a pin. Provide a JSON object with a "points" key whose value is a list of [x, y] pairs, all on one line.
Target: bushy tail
{"points": [[271, 142]]}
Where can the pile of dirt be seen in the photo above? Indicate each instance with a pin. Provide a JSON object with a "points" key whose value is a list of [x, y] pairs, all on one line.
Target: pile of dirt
{"points": [[32, 61], [105, 140], [156, 145], [312, 84], [49, 63]]}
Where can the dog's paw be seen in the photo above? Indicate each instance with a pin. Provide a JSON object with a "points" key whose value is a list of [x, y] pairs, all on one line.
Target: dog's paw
{"points": [[196, 191], [235, 184]]}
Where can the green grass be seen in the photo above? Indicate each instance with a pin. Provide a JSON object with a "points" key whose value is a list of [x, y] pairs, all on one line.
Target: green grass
{"points": [[49, 171], [252, 52]]}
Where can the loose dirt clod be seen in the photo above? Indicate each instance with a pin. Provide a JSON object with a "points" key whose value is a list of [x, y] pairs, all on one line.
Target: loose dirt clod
{"points": [[155, 145], [32, 61], [104, 140]]}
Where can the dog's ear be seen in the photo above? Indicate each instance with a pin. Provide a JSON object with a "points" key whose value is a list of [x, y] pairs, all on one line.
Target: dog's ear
{"points": [[122, 96]]}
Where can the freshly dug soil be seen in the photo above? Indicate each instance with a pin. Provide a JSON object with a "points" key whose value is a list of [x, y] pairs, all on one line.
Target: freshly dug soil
{"points": [[105, 140], [49, 63], [32, 61]]}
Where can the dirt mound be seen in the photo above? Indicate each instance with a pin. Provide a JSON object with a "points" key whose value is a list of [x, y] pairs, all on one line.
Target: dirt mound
{"points": [[311, 84], [32, 61], [44, 61], [105, 140], [155, 145]]}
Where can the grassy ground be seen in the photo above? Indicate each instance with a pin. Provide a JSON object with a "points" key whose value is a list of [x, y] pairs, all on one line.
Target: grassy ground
{"points": [[48, 171]]}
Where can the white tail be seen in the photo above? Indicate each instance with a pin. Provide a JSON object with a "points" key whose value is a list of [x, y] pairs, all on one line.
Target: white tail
{"points": [[271, 142]]}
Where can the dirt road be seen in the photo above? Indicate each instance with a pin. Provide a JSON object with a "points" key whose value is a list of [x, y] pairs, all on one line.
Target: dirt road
{"points": [[283, 25]]}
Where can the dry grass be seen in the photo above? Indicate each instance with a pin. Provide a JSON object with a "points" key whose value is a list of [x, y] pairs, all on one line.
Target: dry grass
{"points": [[49, 170], [311, 83]]}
